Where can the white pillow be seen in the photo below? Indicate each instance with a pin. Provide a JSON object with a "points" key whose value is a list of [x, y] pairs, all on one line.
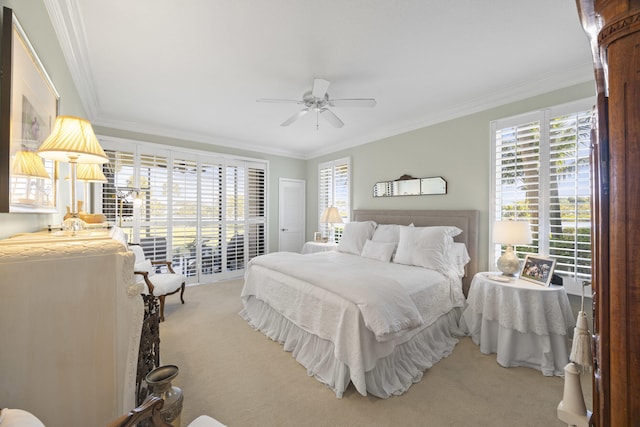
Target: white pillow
{"points": [[354, 236], [459, 257], [380, 251], [387, 233], [426, 247]]}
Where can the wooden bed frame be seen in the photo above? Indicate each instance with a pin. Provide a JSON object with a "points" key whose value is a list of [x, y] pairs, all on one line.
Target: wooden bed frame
{"points": [[466, 220]]}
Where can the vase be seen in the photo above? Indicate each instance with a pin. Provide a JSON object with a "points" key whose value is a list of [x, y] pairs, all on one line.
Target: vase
{"points": [[159, 381]]}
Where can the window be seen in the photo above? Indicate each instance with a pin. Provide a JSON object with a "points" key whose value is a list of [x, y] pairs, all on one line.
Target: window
{"points": [[334, 181], [205, 213], [541, 172]]}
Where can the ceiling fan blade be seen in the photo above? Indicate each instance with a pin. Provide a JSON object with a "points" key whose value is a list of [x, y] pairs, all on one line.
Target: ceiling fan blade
{"points": [[280, 101], [331, 118], [355, 102], [320, 87], [295, 117]]}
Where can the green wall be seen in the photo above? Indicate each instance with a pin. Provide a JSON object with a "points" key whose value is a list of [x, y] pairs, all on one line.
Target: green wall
{"points": [[457, 150]]}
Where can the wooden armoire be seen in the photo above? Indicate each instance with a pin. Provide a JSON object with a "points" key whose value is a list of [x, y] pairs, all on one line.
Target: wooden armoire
{"points": [[613, 28]]}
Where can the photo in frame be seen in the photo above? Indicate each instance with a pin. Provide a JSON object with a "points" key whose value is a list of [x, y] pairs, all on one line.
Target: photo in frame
{"points": [[538, 269], [28, 108], [317, 236]]}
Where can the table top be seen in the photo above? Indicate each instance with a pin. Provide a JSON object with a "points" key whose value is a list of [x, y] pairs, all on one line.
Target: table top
{"points": [[521, 305]]}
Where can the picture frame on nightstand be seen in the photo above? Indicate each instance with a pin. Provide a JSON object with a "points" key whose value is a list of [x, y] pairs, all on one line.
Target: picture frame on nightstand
{"points": [[538, 269], [317, 236]]}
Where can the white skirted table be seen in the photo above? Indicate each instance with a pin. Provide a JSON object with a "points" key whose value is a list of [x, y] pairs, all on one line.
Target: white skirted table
{"points": [[525, 324]]}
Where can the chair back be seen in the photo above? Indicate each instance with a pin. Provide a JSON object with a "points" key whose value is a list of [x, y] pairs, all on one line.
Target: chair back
{"points": [[138, 252]]}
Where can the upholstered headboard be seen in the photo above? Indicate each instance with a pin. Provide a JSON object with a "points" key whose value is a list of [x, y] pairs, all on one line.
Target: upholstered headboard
{"points": [[466, 220]]}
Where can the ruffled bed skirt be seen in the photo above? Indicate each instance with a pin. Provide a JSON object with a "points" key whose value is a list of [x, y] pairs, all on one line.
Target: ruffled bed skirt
{"points": [[392, 375]]}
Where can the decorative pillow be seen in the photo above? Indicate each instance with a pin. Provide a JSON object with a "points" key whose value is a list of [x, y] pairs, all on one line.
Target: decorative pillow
{"points": [[426, 247], [354, 236], [380, 251]]}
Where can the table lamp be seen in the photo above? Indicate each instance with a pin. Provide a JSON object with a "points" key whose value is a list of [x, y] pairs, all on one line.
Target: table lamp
{"points": [[72, 141], [331, 216], [27, 164], [511, 233]]}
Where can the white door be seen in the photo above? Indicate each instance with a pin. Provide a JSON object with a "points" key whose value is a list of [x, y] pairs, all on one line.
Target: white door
{"points": [[291, 225]]}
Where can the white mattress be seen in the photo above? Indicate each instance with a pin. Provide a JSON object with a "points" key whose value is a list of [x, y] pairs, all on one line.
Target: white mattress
{"points": [[293, 309]]}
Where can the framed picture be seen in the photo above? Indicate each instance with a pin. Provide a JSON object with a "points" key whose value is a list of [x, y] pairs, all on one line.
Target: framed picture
{"points": [[28, 109], [317, 236], [538, 269]]}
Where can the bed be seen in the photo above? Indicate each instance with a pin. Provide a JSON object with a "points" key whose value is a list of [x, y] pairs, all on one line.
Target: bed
{"points": [[377, 312]]}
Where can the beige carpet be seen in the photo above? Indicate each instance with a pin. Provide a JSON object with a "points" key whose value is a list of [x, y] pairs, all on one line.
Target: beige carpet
{"points": [[242, 378]]}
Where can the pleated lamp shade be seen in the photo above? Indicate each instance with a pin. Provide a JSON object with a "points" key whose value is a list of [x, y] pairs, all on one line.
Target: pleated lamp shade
{"points": [[331, 216], [90, 172], [72, 138], [28, 163]]}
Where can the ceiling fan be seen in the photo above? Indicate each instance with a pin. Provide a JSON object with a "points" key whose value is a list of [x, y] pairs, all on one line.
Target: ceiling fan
{"points": [[317, 99]]}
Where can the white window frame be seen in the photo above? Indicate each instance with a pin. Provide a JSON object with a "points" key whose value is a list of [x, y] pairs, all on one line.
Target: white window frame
{"points": [[573, 283], [343, 203]]}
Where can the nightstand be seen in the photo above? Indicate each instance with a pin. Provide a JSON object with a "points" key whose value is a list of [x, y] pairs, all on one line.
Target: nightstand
{"points": [[312, 247], [525, 324]]}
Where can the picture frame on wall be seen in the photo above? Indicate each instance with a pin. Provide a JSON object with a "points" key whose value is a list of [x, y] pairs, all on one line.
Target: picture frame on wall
{"points": [[29, 105], [538, 269]]}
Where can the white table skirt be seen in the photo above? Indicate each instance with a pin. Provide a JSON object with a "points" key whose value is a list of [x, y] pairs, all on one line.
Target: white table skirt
{"points": [[524, 324]]}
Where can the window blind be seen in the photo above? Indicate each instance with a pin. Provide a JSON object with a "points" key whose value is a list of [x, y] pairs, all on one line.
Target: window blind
{"points": [[205, 213], [542, 173], [334, 190]]}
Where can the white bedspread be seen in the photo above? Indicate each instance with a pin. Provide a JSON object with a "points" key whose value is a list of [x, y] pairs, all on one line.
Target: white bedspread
{"points": [[386, 306], [313, 299]]}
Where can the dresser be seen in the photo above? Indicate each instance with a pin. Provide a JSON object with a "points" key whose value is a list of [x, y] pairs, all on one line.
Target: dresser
{"points": [[70, 322]]}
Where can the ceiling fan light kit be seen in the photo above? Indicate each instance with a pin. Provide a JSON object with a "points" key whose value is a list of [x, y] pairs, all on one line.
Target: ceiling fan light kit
{"points": [[318, 100]]}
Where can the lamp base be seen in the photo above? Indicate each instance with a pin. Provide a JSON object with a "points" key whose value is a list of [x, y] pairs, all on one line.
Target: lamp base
{"points": [[73, 224], [508, 263]]}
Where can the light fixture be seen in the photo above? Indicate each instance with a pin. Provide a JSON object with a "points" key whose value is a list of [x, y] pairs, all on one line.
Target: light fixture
{"points": [[72, 141], [88, 173], [331, 216], [511, 233], [27, 164]]}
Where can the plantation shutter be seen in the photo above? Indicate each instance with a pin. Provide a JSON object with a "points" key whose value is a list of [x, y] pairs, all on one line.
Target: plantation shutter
{"points": [[211, 216], [206, 214], [235, 218], [542, 174], [256, 185], [154, 182], [517, 191], [570, 193], [334, 190]]}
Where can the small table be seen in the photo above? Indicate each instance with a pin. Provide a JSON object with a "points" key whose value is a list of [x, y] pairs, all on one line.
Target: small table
{"points": [[523, 323], [311, 247]]}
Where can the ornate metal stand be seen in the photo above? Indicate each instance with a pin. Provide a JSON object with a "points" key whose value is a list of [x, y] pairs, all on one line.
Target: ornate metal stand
{"points": [[149, 354]]}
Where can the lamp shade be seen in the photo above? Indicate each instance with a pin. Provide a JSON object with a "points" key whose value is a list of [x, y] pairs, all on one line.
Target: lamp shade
{"points": [[72, 138], [27, 163], [90, 172], [331, 216], [512, 232]]}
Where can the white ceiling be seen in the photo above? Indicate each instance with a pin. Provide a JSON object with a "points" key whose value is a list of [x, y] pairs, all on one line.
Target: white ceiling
{"points": [[193, 69]]}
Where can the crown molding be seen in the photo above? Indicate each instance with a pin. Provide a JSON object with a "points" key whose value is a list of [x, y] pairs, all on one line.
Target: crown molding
{"points": [[69, 27]]}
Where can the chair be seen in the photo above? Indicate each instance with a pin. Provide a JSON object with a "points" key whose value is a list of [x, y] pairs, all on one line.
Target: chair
{"points": [[150, 410], [159, 284]]}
